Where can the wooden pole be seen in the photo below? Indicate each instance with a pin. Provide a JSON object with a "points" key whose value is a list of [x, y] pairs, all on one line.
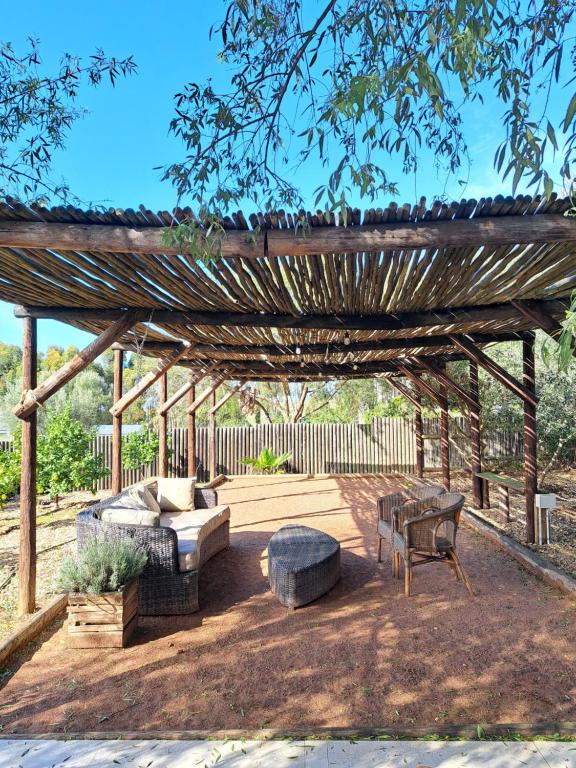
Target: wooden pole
{"points": [[433, 233], [445, 446], [163, 429], [223, 400], [475, 438], [212, 435], [195, 378], [117, 424], [419, 438], [27, 563], [192, 468], [36, 395], [530, 442], [206, 394], [151, 378]]}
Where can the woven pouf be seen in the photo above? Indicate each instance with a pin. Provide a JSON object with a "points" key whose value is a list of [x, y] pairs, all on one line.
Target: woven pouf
{"points": [[303, 564]]}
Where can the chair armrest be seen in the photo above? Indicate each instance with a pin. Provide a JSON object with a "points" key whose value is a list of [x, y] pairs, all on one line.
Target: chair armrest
{"points": [[205, 498], [385, 504]]}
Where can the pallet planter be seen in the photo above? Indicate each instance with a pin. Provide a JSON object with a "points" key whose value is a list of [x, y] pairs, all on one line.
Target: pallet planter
{"points": [[103, 621]]}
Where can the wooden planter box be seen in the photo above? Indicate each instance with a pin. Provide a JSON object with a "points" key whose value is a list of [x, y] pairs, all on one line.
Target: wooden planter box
{"points": [[103, 621]]}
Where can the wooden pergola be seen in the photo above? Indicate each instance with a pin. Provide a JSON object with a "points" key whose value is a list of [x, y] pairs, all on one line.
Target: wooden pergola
{"points": [[398, 293]]}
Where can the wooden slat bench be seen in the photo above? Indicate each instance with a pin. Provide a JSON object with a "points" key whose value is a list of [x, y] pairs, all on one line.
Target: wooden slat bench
{"points": [[504, 484]]}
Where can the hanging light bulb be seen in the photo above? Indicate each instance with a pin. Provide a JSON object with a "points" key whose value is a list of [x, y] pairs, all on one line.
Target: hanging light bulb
{"points": [[355, 367], [346, 339], [302, 364], [298, 350]]}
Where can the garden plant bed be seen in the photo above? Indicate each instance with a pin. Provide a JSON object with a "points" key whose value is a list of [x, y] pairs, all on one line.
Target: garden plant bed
{"points": [[56, 538], [561, 551], [505, 656]]}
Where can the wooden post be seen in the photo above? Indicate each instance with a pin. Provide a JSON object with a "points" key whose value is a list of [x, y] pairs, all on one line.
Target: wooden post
{"points": [[27, 563], [212, 436], [419, 438], [163, 429], [475, 438], [445, 445], [117, 424], [530, 444], [192, 469]]}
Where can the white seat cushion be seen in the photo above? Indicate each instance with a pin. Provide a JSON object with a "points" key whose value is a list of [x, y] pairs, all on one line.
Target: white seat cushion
{"points": [[192, 527], [129, 516]]}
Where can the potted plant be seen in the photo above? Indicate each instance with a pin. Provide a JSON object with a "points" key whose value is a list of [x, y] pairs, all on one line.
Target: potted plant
{"points": [[102, 586]]}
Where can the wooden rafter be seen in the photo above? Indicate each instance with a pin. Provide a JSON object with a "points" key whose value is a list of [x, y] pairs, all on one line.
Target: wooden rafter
{"points": [[495, 370], [216, 381], [150, 378], [195, 378], [223, 400], [449, 383], [33, 398], [493, 231], [400, 321]]}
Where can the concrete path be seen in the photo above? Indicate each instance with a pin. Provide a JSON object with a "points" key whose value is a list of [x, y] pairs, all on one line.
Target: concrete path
{"points": [[21, 753]]}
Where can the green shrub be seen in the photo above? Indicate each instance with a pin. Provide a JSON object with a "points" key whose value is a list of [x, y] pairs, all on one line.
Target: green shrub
{"points": [[65, 458], [139, 449], [105, 565], [10, 471], [267, 463]]}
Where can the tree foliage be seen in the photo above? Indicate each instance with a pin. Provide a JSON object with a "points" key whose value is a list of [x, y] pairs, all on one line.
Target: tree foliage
{"points": [[139, 448], [351, 82], [66, 461], [37, 109]]}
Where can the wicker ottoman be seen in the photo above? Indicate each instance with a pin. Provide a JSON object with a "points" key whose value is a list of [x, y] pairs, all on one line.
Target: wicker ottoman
{"points": [[303, 564]]}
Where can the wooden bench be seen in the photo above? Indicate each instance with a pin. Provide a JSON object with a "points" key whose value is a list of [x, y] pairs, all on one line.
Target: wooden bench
{"points": [[504, 484]]}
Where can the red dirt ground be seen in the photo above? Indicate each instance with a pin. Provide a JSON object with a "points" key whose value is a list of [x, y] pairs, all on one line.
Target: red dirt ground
{"points": [[362, 656]]}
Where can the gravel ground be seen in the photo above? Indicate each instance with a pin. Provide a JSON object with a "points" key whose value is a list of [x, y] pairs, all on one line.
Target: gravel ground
{"points": [[56, 538]]}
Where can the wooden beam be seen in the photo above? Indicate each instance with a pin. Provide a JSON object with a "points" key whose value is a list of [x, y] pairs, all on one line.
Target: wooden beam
{"points": [[39, 394], [257, 351], [449, 383], [486, 231], [195, 378], [163, 429], [117, 424], [212, 435], [150, 378], [422, 385], [494, 369], [445, 447], [475, 439], [413, 398], [537, 314], [27, 561], [191, 436], [419, 435], [530, 440], [216, 381], [403, 321], [223, 400]]}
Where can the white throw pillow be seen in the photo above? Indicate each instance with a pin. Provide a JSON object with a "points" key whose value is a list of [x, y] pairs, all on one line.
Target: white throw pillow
{"points": [[175, 494], [130, 516], [144, 497]]}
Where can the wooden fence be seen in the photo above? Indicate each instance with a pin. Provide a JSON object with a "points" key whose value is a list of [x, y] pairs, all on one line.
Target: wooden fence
{"points": [[383, 445]]}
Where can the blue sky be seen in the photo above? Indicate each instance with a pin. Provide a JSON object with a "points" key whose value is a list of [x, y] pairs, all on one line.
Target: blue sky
{"points": [[111, 154]]}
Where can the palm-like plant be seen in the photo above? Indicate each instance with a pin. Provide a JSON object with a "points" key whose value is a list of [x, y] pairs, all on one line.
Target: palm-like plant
{"points": [[267, 463]]}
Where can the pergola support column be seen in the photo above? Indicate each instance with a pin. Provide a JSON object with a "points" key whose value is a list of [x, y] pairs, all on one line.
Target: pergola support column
{"points": [[163, 429], [117, 424], [27, 562], [530, 442], [191, 423], [419, 439], [212, 435], [475, 439]]}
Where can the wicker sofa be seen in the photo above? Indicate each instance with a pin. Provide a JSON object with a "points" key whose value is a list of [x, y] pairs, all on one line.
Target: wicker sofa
{"points": [[169, 583]]}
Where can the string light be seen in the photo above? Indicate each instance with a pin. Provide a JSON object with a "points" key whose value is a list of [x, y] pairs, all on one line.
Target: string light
{"points": [[346, 339], [298, 351]]}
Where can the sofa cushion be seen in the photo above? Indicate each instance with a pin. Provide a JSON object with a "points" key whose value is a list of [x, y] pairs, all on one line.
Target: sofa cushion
{"points": [[192, 527], [137, 497], [129, 516], [175, 494], [145, 496]]}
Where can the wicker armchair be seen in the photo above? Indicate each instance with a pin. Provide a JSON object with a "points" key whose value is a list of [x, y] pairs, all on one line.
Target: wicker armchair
{"points": [[385, 505], [425, 532], [162, 588]]}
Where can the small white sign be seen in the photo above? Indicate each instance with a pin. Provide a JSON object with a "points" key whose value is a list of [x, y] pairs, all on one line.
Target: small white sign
{"points": [[545, 500]]}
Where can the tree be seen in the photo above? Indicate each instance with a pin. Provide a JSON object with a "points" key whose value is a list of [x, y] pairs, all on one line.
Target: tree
{"points": [[37, 109], [355, 81], [66, 461]]}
